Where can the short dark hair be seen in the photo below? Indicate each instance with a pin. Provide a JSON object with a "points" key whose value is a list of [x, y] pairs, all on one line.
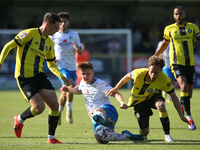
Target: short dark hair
{"points": [[64, 15], [156, 61], [180, 7], [85, 65], [51, 17]]}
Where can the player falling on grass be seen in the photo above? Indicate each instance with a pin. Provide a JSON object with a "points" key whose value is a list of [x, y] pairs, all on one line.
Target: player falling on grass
{"points": [[33, 46], [66, 42], [146, 94], [99, 107], [181, 36]]}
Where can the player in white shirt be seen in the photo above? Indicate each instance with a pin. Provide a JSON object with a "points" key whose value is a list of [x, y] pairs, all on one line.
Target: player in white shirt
{"points": [[66, 42], [99, 107]]}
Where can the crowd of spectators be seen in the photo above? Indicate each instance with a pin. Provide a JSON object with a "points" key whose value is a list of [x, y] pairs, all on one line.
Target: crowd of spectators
{"points": [[145, 33]]}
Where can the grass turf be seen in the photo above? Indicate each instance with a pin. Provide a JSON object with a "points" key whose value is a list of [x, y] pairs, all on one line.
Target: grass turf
{"points": [[80, 135]]}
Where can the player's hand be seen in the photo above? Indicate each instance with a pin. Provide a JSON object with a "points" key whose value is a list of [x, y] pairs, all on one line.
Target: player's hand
{"points": [[185, 120], [75, 46], [110, 92], [123, 105], [64, 88], [0, 67], [66, 81]]}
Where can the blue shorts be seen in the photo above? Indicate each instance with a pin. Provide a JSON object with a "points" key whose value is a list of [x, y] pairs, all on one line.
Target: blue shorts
{"points": [[168, 72], [112, 116], [68, 74]]}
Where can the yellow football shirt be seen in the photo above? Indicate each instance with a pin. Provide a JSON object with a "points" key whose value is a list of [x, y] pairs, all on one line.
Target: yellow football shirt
{"points": [[143, 90], [182, 38], [32, 49]]}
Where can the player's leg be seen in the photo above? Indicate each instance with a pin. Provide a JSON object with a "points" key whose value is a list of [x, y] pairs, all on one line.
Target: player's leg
{"points": [[62, 101], [158, 102], [186, 93], [69, 102], [98, 116], [50, 98], [28, 89]]}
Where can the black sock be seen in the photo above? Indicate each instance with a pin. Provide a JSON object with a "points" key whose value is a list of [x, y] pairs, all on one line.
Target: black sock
{"points": [[165, 124], [53, 121], [26, 114], [185, 101]]}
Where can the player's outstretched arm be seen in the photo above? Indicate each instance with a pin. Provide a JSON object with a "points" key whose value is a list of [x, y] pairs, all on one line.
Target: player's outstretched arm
{"points": [[178, 106], [121, 100], [124, 80], [71, 90]]}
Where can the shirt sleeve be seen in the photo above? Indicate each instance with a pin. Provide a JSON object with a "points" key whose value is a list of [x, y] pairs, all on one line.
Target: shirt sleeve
{"points": [[168, 86], [50, 57], [166, 34], [9, 46], [197, 33]]}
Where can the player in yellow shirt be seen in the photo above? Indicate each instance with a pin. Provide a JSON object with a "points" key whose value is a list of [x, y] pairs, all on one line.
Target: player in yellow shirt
{"points": [[181, 36], [33, 47], [146, 94]]}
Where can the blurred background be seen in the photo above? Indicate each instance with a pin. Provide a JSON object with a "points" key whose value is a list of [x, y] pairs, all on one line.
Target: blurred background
{"points": [[102, 27]]}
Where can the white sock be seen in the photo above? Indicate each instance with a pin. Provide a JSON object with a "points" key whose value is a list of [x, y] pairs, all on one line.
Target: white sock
{"points": [[98, 113], [189, 117], [20, 120], [118, 137], [69, 106], [60, 109], [50, 137]]}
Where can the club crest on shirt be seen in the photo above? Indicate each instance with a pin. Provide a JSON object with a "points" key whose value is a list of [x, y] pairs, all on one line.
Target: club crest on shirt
{"points": [[23, 35], [150, 90], [189, 31], [46, 48]]}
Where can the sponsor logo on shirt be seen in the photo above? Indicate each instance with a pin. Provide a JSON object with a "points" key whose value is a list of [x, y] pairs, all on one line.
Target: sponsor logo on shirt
{"points": [[23, 35]]}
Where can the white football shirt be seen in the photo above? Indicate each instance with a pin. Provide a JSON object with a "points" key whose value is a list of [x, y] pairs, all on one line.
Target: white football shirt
{"points": [[165, 55], [64, 50], [94, 93]]}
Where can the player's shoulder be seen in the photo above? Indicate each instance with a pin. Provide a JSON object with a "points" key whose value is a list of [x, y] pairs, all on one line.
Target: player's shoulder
{"points": [[30, 31], [72, 32], [164, 76], [170, 26], [101, 82], [192, 25], [141, 70]]}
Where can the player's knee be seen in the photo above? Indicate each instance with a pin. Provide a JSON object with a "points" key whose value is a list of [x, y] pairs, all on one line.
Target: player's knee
{"points": [[39, 109], [64, 94], [160, 105], [54, 106]]}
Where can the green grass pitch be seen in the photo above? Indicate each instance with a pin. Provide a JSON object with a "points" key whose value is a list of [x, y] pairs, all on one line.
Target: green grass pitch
{"points": [[80, 135]]}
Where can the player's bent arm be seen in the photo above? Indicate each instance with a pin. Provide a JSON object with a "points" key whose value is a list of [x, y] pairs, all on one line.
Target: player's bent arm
{"points": [[10, 45], [162, 47], [121, 100], [178, 106], [79, 50], [124, 80], [53, 68]]}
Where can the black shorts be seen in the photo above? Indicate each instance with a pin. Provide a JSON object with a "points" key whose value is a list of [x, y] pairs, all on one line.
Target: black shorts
{"points": [[187, 71], [143, 110], [31, 86]]}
